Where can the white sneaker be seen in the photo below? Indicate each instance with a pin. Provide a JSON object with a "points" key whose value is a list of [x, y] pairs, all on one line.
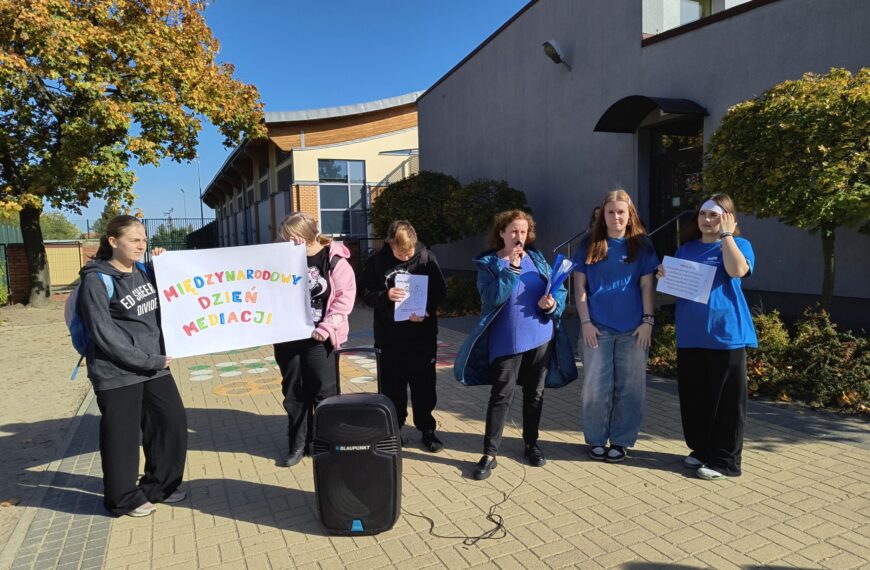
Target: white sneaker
{"points": [[175, 497], [692, 462], [709, 474], [142, 510]]}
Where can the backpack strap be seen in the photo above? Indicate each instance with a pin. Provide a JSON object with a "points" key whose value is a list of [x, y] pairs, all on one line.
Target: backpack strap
{"points": [[334, 261], [109, 283]]}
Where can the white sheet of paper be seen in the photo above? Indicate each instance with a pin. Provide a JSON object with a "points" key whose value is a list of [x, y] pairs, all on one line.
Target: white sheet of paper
{"points": [[687, 279], [417, 289], [212, 300]]}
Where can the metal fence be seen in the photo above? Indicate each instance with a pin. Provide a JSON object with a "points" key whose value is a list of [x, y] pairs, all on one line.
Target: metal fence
{"points": [[171, 233], [10, 233]]}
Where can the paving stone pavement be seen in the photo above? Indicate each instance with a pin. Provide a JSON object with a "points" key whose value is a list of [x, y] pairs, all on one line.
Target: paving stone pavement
{"points": [[803, 501]]}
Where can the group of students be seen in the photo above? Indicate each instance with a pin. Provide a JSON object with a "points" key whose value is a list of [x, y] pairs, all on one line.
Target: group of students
{"points": [[137, 394], [519, 341]]}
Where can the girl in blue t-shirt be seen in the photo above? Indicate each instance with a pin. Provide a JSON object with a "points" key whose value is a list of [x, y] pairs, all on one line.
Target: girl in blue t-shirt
{"points": [[614, 291], [711, 343]]}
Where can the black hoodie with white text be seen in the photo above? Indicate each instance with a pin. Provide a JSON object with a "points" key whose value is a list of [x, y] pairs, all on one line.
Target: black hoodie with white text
{"points": [[126, 343], [379, 275]]}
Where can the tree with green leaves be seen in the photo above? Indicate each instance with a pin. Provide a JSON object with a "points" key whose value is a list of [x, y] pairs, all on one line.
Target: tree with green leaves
{"points": [[440, 209], [56, 226], [800, 153], [86, 87]]}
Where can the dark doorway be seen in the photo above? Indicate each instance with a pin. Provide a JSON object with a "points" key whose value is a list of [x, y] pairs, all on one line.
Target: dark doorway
{"points": [[676, 161]]}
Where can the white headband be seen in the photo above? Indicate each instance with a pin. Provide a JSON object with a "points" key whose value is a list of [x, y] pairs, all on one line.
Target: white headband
{"points": [[711, 206]]}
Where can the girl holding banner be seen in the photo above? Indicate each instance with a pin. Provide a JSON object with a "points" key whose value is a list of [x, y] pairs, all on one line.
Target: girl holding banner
{"points": [[614, 289], [308, 366], [136, 393], [711, 343], [519, 340]]}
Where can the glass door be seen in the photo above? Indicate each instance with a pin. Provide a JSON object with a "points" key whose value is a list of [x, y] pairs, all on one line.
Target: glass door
{"points": [[676, 161]]}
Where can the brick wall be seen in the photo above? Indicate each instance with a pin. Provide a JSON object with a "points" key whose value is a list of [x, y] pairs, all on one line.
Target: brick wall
{"points": [[305, 200], [19, 275]]}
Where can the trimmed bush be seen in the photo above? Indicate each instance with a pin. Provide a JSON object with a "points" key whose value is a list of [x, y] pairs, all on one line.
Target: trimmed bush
{"points": [[462, 298], [815, 363]]}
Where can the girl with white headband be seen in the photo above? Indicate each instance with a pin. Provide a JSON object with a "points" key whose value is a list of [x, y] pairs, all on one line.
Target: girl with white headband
{"points": [[712, 339]]}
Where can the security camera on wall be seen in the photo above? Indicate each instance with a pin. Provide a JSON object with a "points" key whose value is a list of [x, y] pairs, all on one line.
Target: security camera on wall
{"points": [[551, 48]]}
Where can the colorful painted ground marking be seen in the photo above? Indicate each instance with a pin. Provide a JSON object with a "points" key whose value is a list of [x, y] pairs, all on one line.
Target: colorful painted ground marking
{"points": [[252, 387]]}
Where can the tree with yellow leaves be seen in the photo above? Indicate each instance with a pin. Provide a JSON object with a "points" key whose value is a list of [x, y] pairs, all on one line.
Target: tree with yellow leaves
{"points": [[88, 86]]}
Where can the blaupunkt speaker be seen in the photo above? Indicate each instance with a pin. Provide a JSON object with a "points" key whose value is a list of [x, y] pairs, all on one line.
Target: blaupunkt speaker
{"points": [[357, 462]]}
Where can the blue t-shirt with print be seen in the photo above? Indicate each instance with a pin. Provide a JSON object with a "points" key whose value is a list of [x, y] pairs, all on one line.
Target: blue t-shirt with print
{"points": [[613, 284], [724, 322], [520, 324]]}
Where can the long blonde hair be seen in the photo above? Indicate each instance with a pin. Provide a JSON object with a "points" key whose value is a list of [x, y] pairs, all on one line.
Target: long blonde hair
{"points": [[635, 231], [300, 224]]}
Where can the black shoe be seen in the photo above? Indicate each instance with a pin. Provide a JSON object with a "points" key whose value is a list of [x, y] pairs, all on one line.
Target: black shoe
{"points": [[294, 458], [431, 442], [534, 455], [615, 454], [484, 467]]}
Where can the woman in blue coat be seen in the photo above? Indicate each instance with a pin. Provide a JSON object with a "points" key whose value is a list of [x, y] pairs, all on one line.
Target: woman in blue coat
{"points": [[519, 339]]}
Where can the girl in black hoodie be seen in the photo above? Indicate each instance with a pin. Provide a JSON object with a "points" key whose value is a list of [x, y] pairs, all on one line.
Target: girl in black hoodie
{"points": [[408, 348], [135, 391]]}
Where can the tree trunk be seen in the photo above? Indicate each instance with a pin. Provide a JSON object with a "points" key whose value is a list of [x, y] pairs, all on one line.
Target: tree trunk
{"points": [[37, 264], [827, 234]]}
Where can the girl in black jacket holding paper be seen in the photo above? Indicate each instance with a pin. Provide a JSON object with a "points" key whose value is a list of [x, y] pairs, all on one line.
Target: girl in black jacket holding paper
{"points": [[408, 348], [135, 390]]}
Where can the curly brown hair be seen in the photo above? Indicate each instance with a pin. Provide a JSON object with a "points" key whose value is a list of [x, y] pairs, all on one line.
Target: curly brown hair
{"points": [[502, 220]]}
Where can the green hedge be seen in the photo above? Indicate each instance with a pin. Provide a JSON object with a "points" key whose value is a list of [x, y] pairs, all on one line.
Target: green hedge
{"points": [[814, 363], [4, 293]]}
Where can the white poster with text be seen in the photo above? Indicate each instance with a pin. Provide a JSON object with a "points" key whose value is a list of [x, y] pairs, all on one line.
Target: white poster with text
{"points": [[212, 300], [686, 279]]}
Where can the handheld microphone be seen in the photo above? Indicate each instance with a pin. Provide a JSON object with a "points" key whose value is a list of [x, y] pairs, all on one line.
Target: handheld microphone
{"points": [[520, 244]]}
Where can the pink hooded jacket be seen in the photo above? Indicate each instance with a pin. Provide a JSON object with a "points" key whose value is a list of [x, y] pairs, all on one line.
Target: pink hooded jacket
{"points": [[342, 284]]}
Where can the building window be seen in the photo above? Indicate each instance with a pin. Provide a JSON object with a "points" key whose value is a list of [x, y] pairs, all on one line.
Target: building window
{"points": [[663, 15], [264, 188], [285, 178], [344, 199]]}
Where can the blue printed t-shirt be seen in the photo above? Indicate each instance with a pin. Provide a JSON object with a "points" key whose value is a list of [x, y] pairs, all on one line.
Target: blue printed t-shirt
{"points": [[724, 323], [521, 325], [613, 285]]}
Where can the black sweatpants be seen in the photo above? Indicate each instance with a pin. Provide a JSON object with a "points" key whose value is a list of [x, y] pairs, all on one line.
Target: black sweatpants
{"points": [[152, 410], [413, 365], [307, 377], [529, 370], [712, 387]]}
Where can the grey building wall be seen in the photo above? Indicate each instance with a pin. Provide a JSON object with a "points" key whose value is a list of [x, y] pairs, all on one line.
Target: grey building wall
{"points": [[510, 113]]}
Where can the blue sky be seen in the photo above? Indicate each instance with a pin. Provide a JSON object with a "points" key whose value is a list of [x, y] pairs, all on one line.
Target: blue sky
{"points": [[303, 54]]}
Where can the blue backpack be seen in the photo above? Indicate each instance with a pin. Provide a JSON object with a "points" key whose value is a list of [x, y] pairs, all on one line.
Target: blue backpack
{"points": [[78, 332]]}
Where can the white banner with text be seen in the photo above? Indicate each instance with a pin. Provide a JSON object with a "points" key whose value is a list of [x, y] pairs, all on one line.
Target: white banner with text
{"points": [[227, 298]]}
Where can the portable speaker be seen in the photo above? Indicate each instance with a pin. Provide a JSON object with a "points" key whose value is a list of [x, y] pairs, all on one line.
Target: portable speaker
{"points": [[357, 460]]}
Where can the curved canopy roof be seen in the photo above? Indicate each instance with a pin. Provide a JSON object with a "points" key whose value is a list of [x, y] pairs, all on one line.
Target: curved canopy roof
{"points": [[625, 115]]}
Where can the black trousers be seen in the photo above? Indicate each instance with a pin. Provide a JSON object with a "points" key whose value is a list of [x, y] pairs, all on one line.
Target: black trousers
{"points": [[529, 370], [712, 387], [152, 410], [307, 377], [413, 365]]}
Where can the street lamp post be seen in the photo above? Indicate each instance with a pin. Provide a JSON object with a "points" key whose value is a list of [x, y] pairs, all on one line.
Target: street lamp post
{"points": [[199, 181], [184, 201]]}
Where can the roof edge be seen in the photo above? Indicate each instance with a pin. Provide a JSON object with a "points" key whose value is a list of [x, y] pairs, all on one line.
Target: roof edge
{"points": [[478, 48], [341, 111]]}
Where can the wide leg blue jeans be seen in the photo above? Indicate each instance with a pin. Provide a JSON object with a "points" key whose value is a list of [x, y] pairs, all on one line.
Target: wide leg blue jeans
{"points": [[614, 389]]}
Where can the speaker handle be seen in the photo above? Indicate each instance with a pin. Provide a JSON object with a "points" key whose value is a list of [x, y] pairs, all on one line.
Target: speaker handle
{"points": [[366, 349]]}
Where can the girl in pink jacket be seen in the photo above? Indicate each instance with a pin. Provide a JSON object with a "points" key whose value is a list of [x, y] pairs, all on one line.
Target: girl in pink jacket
{"points": [[308, 365]]}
